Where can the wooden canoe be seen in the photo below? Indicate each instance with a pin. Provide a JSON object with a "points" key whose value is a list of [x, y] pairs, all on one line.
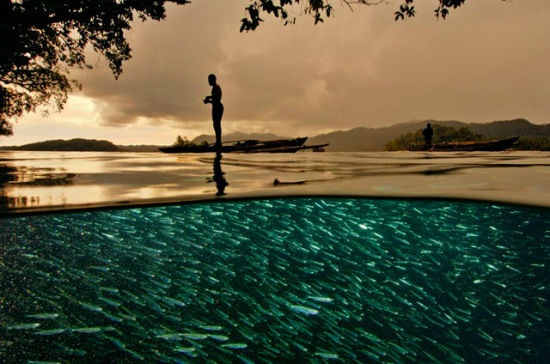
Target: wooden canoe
{"points": [[242, 146], [488, 146]]}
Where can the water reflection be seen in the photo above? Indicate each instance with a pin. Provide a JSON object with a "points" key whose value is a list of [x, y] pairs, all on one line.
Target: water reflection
{"points": [[11, 176], [31, 180], [43, 177], [221, 183], [6, 175]]}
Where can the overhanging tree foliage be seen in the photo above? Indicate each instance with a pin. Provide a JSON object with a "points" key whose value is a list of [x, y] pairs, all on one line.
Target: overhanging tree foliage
{"points": [[323, 8], [41, 39]]}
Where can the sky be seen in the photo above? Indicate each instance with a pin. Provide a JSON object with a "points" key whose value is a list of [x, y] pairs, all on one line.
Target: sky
{"points": [[489, 60]]}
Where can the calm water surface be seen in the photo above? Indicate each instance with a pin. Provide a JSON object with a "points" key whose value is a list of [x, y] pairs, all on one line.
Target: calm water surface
{"points": [[38, 180]]}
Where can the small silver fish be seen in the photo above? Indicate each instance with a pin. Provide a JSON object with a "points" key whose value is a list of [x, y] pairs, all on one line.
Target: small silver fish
{"points": [[235, 346], [50, 332], [44, 316], [304, 310], [28, 326]]}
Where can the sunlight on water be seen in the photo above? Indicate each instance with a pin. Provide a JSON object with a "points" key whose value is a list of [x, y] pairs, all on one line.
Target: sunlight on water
{"points": [[62, 180], [278, 280]]}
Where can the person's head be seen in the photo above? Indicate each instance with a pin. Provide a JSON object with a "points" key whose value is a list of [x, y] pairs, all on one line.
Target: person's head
{"points": [[211, 79], [429, 125]]}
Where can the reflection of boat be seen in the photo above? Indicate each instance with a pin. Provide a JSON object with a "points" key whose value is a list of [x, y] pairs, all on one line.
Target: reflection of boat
{"points": [[488, 146], [245, 146]]}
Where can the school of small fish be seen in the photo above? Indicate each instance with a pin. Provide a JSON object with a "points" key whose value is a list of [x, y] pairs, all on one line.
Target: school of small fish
{"points": [[302, 280]]}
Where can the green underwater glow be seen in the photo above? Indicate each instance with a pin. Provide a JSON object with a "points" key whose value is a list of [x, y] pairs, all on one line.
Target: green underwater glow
{"points": [[312, 279]]}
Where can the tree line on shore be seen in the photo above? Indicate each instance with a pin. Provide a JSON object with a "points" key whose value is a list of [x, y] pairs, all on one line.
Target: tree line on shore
{"points": [[442, 134], [446, 134]]}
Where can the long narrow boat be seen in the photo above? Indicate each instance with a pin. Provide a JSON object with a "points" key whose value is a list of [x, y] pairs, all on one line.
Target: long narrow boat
{"points": [[245, 146], [487, 146], [286, 149]]}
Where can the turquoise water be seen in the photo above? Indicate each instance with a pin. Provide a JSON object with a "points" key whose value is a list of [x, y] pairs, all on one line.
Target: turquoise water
{"points": [[311, 279]]}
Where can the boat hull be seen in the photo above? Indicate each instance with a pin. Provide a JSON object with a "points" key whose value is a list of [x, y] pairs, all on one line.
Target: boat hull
{"points": [[246, 146], [487, 146], [286, 149]]}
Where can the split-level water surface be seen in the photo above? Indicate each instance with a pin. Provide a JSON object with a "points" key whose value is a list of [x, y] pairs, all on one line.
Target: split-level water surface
{"points": [[341, 263]]}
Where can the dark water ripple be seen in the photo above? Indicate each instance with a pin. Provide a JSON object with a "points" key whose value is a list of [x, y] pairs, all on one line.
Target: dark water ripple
{"points": [[278, 280]]}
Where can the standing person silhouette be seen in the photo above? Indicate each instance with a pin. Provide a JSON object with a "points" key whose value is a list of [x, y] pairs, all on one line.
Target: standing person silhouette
{"points": [[217, 109], [428, 135]]}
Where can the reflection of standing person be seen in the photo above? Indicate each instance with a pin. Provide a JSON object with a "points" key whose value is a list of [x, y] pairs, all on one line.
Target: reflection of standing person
{"points": [[428, 134], [221, 183], [217, 108]]}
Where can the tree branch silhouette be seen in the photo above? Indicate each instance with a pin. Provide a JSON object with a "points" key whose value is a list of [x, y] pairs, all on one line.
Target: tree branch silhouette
{"points": [[42, 39]]}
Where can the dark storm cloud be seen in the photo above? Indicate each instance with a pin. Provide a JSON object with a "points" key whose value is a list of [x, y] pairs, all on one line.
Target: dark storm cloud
{"points": [[487, 61], [166, 79]]}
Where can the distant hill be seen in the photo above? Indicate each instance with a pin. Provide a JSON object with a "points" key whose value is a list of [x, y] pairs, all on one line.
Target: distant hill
{"points": [[511, 128], [445, 134], [82, 145], [72, 145], [369, 139], [352, 140]]}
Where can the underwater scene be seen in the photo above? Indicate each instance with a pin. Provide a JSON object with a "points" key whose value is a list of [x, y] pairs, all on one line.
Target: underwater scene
{"points": [[278, 280]]}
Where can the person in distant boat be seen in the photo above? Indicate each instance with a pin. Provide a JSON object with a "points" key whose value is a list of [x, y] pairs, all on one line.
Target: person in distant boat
{"points": [[428, 135], [217, 108]]}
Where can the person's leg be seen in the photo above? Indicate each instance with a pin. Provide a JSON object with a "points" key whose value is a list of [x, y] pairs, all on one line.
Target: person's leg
{"points": [[218, 131], [217, 113]]}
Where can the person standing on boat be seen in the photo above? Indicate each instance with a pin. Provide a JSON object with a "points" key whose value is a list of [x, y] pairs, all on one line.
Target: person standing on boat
{"points": [[428, 135], [217, 108]]}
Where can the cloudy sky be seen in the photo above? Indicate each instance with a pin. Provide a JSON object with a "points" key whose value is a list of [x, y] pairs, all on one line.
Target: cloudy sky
{"points": [[488, 61]]}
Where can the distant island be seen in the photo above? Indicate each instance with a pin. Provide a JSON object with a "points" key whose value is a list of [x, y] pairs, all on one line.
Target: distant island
{"points": [[361, 139], [443, 134], [446, 134], [81, 145], [72, 145], [532, 137]]}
